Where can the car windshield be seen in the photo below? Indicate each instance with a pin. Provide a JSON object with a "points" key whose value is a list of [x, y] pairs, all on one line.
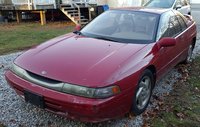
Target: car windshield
{"points": [[123, 26], [160, 3]]}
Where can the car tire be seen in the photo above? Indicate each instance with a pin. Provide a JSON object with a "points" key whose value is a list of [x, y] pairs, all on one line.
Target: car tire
{"points": [[189, 57], [143, 93]]}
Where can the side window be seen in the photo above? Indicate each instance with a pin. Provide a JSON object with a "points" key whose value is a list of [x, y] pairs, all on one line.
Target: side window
{"points": [[169, 26], [174, 26], [163, 30], [182, 22]]}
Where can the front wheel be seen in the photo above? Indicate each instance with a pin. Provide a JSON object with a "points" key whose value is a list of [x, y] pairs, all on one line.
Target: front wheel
{"points": [[143, 93]]}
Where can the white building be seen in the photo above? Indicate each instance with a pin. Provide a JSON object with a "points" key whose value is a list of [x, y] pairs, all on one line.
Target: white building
{"points": [[122, 3], [195, 1]]}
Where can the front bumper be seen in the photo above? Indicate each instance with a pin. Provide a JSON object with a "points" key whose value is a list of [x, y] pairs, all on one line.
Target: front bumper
{"points": [[75, 107]]}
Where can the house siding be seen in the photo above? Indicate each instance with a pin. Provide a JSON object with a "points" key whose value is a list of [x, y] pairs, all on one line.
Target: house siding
{"points": [[195, 1], [125, 3]]}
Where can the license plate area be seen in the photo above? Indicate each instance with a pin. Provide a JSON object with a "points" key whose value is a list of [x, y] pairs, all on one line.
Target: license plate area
{"points": [[34, 99]]}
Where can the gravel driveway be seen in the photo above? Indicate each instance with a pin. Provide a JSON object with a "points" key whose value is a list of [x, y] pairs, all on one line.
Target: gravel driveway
{"points": [[15, 112]]}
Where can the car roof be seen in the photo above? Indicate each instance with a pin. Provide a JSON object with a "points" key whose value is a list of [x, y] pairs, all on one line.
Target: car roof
{"points": [[144, 9]]}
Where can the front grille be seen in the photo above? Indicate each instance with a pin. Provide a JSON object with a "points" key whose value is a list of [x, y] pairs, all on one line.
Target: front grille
{"points": [[43, 79]]}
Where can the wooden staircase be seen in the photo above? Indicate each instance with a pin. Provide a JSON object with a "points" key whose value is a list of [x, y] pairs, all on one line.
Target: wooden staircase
{"points": [[73, 12]]}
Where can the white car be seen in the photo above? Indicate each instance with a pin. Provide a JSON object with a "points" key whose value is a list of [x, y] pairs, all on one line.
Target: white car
{"points": [[181, 5]]}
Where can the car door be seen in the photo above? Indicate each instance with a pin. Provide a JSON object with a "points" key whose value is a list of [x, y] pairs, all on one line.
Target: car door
{"points": [[180, 37], [185, 42], [168, 56]]}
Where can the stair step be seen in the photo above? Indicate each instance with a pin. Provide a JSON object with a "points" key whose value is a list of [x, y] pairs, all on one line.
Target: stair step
{"points": [[72, 11], [74, 14], [84, 20], [69, 8], [65, 5], [84, 23], [77, 18]]}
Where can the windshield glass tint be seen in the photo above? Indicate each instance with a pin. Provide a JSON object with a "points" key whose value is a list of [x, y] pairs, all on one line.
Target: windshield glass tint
{"points": [[123, 26], [160, 3]]}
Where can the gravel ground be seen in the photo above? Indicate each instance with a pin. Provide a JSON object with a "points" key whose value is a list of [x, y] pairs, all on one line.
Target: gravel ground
{"points": [[15, 112]]}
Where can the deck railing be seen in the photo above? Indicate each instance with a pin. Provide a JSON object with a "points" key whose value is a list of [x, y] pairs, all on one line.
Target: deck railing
{"points": [[34, 3], [79, 1], [29, 3], [44, 2]]}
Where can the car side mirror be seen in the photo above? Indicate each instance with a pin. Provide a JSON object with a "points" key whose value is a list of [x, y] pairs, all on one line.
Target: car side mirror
{"points": [[77, 27], [178, 7], [167, 42]]}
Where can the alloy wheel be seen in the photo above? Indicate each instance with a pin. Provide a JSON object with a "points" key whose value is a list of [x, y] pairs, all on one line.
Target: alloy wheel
{"points": [[189, 57], [144, 92]]}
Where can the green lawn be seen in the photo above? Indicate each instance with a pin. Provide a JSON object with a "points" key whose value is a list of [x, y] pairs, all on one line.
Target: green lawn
{"points": [[182, 106], [17, 37]]}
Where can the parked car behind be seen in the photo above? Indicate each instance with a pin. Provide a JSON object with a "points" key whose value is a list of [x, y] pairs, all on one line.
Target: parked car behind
{"points": [[182, 6], [108, 68]]}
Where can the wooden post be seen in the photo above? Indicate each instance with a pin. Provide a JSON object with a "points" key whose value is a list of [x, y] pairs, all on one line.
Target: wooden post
{"points": [[43, 17], [90, 14], [18, 16]]}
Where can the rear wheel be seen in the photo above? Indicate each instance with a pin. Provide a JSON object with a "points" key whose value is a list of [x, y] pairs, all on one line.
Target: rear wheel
{"points": [[143, 93], [189, 57]]}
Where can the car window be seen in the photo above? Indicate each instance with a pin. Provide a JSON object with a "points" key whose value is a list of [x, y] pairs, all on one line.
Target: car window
{"points": [[169, 26], [124, 26], [174, 26], [160, 3], [163, 30], [182, 22]]}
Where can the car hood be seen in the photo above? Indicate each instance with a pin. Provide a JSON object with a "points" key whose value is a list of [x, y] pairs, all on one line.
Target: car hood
{"points": [[77, 60]]}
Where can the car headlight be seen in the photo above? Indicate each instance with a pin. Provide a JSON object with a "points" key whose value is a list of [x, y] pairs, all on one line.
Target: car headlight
{"points": [[91, 92], [106, 92], [17, 70], [78, 90]]}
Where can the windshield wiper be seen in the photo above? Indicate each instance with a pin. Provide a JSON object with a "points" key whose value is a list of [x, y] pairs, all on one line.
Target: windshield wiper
{"points": [[78, 32], [107, 39]]}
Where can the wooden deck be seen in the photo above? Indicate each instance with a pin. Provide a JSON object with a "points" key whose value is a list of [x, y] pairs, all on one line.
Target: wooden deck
{"points": [[77, 11], [40, 4]]}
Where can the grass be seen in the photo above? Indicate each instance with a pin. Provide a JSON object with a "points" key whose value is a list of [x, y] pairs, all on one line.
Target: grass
{"points": [[16, 37], [183, 103], [1, 125]]}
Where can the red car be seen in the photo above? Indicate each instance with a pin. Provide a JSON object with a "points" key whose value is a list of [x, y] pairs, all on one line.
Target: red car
{"points": [[108, 68]]}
